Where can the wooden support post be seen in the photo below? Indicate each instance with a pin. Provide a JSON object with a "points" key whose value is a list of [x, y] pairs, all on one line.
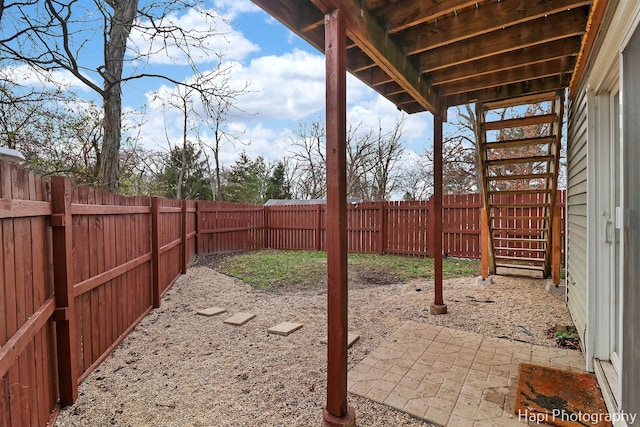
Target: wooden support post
{"points": [[336, 412], [67, 335], [185, 255], [556, 238], [155, 252], [484, 240], [438, 306]]}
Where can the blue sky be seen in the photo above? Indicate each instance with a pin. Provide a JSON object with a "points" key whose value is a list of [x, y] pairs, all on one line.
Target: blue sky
{"points": [[286, 85]]}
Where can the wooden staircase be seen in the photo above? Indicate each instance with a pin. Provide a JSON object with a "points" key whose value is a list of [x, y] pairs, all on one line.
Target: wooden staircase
{"points": [[519, 160]]}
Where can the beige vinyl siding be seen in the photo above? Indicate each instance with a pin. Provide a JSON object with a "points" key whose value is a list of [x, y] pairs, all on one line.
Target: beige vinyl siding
{"points": [[576, 262]]}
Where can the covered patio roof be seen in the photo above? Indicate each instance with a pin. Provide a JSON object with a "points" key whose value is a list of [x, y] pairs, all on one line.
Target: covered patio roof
{"points": [[429, 55]]}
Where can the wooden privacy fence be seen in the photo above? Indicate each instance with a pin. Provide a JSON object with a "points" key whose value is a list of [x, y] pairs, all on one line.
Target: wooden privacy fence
{"points": [[81, 267], [375, 227]]}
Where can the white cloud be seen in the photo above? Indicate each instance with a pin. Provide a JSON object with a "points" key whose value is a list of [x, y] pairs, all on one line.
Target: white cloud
{"points": [[285, 87], [216, 37], [25, 75], [233, 8]]}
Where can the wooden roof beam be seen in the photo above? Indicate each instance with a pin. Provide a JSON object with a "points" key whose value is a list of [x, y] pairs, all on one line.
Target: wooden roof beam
{"points": [[418, 12], [495, 16], [556, 27], [515, 75], [508, 60], [363, 29], [509, 91]]}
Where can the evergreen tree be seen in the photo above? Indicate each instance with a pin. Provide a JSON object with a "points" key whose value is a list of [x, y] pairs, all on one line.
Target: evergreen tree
{"points": [[277, 186], [195, 182], [247, 181]]}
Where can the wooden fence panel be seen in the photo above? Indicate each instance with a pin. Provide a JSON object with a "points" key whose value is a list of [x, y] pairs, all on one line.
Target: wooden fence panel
{"points": [[407, 228], [461, 225], [230, 227], [169, 250], [112, 273], [294, 226], [28, 382], [363, 227]]}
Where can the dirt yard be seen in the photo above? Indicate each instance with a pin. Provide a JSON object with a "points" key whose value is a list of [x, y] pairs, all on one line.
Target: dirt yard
{"points": [[181, 369]]}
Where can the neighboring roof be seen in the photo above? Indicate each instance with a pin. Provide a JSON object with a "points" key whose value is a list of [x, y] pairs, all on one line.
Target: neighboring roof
{"points": [[433, 54], [11, 155], [283, 202]]}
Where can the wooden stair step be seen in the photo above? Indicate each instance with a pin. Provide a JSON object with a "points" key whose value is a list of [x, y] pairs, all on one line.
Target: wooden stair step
{"points": [[519, 205], [520, 122], [528, 176], [502, 248], [520, 218], [519, 160], [521, 239], [521, 266], [515, 258], [519, 192], [521, 100], [524, 142]]}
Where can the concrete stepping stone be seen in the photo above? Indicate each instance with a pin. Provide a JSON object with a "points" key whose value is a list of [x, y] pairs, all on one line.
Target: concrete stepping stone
{"points": [[352, 338], [211, 311], [284, 328], [239, 319]]}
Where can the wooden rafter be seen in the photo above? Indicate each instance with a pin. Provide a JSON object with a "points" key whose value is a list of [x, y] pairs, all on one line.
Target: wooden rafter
{"points": [[522, 15], [555, 27], [507, 61], [432, 54]]}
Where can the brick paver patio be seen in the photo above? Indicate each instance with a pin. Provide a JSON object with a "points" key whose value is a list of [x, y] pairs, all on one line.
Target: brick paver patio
{"points": [[452, 377]]}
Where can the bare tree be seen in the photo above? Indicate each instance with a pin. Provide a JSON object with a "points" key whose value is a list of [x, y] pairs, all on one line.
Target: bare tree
{"points": [[308, 154], [387, 152], [220, 103], [180, 100], [52, 35], [417, 180], [360, 149]]}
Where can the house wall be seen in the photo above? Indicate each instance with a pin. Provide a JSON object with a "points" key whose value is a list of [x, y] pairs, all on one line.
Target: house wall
{"points": [[576, 261], [614, 64]]}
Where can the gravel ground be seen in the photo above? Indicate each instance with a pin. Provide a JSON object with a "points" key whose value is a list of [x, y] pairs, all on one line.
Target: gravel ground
{"points": [[180, 369]]}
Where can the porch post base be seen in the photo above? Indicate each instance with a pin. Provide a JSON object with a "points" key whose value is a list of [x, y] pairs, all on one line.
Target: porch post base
{"points": [[438, 309], [348, 420]]}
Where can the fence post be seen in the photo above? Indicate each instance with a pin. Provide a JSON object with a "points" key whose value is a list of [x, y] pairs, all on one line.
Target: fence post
{"points": [[155, 251], [66, 334], [383, 226], [318, 227], [183, 243], [266, 243], [198, 227]]}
